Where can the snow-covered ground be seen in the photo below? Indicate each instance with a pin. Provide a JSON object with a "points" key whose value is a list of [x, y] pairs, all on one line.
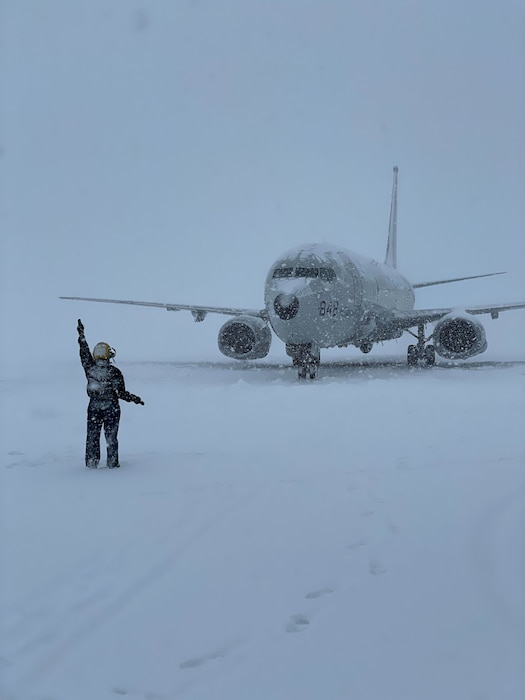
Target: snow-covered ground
{"points": [[360, 536]]}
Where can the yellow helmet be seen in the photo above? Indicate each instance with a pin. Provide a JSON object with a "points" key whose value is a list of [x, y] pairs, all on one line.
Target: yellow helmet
{"points": [[102, 351]]}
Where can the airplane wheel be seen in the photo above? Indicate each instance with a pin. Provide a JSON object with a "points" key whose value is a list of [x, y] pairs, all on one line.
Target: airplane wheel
{"points": [[412, 355], [309, 369], [430, 355]]}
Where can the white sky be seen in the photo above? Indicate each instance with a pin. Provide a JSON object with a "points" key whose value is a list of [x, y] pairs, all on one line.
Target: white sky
{"points": [[171, 151]]}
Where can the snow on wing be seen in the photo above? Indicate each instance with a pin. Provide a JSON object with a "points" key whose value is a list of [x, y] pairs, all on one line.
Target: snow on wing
{"points": [[407, 319], [199, 312]]}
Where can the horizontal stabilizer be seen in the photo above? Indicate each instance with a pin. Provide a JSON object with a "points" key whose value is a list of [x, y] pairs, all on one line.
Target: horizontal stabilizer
{"points": [[455, 279]]}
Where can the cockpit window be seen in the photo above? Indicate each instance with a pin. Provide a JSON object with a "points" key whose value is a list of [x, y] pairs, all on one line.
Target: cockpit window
{"points": [[307, 272], [283, 272], [325, 273]]}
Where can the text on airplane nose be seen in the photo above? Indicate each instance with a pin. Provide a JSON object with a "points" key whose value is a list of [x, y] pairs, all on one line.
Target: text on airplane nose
{"points": [[286, 306]]}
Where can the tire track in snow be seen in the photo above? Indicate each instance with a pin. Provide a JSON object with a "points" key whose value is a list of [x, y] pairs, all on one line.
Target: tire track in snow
{"points": [[95, 615], [490, 533]]}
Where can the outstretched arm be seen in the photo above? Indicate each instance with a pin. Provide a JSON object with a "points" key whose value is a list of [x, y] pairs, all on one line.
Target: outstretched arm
{"points": [[120, 388], [131, 398]]}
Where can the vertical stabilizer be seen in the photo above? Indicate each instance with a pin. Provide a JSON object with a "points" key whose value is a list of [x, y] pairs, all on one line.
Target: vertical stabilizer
{"points": [[391, 248]]}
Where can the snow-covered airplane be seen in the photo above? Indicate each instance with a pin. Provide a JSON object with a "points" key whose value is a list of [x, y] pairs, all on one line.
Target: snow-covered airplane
{"points": [[319, 296]]}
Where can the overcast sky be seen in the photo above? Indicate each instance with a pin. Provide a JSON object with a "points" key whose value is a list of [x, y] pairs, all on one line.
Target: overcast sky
{"points": [[171, 150]]}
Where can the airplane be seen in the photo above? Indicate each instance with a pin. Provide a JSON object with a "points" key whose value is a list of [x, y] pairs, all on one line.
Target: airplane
{"points": [[320, 296]]}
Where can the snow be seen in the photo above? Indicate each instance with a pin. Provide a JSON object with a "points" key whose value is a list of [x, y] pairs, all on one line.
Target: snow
{"points": [[359, 536]]}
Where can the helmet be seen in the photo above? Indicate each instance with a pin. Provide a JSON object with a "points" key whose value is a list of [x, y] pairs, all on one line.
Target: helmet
{"points": [[102, 351]]}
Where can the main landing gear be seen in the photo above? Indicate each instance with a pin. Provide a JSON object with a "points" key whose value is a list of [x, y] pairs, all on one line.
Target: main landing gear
{"points": [[421, 354], [305, 358]]}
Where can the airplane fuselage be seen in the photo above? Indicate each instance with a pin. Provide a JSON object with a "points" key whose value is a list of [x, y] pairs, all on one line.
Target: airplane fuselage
{"points": [[332, 297]]}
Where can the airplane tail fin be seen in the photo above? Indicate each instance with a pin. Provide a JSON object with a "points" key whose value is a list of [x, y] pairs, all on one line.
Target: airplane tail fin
{"points": [[391, 248]]}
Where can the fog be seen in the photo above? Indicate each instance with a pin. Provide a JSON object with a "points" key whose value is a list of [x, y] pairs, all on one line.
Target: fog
{"points": [[171, 152]]}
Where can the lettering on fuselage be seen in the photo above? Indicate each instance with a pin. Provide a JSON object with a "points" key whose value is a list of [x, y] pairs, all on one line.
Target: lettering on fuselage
{"points": [[329, 308]]}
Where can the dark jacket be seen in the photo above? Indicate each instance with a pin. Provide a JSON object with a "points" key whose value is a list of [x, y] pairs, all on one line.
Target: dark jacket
{"points": [[105, 382]]}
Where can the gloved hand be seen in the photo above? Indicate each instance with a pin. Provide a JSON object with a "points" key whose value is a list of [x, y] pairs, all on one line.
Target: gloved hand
{"points": [[80, 327], [137, 399]]}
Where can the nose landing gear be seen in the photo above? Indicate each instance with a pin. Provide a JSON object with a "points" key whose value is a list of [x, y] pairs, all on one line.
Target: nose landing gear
{"points": [[308, 367], [421, 354], [305, 358]]}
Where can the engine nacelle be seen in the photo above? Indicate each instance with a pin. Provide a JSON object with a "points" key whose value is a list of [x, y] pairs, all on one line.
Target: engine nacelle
{"points": [[245, 338], [459, 336]]}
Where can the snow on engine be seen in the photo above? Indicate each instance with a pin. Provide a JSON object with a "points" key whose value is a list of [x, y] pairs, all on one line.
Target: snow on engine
{"points": [[245, 338], [459, 336]]}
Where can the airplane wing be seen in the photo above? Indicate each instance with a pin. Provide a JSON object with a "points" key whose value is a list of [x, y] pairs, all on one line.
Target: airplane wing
{"points": [[199, 313], [408, 319]]}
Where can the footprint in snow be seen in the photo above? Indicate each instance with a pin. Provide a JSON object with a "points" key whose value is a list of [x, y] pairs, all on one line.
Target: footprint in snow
{"points": [[318, 594], [393, 528], [375, 568], [201, 660], [297, 623]]}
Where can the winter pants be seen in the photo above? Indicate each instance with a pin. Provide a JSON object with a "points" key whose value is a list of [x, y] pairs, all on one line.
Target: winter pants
{"points": [[100, 414]]}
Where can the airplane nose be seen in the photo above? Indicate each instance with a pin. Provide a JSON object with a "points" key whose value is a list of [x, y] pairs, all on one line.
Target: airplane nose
{"points": [[286, 306]]}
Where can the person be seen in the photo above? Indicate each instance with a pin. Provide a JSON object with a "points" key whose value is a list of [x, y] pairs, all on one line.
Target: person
{"points": [[105, 386]]}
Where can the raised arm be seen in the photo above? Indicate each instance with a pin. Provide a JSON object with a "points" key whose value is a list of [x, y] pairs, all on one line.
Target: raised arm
{"points": [[85, 354]]}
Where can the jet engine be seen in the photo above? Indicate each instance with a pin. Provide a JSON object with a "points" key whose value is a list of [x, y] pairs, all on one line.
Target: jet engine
{"points": [[245, 338], [457, 337]]}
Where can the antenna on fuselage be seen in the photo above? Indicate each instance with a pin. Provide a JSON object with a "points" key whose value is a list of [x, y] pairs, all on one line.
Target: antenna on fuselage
{"points": [[391, 247]]}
